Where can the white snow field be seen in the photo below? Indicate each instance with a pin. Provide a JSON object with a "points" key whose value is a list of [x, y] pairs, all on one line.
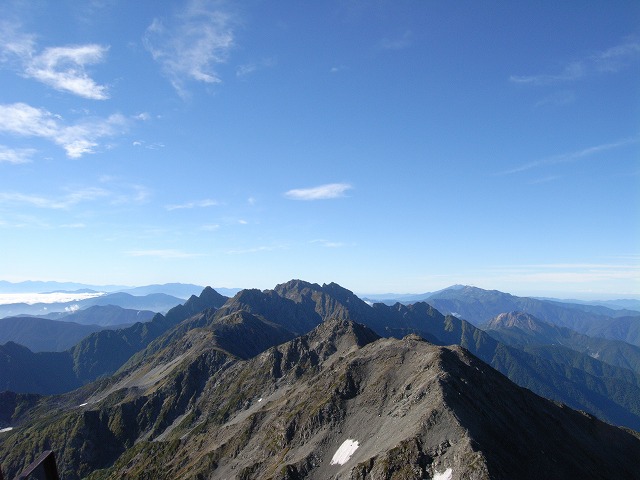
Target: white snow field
{"points": [[446, 475], [343, 454]]}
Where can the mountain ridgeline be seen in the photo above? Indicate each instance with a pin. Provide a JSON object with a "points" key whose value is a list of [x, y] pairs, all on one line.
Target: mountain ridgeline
{"points": [[99, 354], [281, 383]]}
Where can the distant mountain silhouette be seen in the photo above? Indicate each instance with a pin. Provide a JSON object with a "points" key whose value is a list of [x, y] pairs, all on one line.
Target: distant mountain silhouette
{"points": [[478, 306]]}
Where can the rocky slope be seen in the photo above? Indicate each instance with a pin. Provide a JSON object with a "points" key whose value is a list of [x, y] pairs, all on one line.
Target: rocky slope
{"points": [[339, 402]]}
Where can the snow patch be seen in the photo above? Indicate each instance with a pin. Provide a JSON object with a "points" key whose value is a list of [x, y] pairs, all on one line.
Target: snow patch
{"points": [[343, 454], [8, 429], [446, 475], [260, 399], [83, 404]]}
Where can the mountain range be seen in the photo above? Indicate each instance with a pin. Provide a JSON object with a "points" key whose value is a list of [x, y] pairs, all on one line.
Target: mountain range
{"points": [[100, 353], [479, 306], [155, 302], [284, 383], [528, 332]]}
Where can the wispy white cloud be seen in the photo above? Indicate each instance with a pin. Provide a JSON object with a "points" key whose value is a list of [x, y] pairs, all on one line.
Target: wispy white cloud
{"points": [[127, 194], [557, 99], [148, 146], [210, 228], [115, 195], [321, 192], [164, 254], [73, 225], [16, 155], [262, 248], [62, 202], [62, 68], [611, 60], [573, 156], [76, 139], [329, 244], [192, 43], [397, 43], [15, 45], [197, 204], [247, 69], [250, 68], [547, 179]]}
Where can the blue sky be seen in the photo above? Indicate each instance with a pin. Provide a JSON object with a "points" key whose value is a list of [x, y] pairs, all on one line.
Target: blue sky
{"points": [[386, 146]]}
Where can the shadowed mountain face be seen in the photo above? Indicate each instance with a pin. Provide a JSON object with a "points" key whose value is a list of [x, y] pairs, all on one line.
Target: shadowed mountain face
{"points": [[407, 409], [531, 334], [43, 335]]}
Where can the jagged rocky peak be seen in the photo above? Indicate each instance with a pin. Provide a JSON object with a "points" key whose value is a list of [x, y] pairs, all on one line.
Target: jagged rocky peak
{"points": [[213, 298], [340, 293], [245, 299], [423, 308], [296, 289], [209, 298], [334, 337], [342, 334], [248, 295]]}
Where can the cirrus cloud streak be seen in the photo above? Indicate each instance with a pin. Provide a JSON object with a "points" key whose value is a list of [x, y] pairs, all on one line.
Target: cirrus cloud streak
{"points": [[191, 43], [321, 192], [611, 60], [164, 254], [197, 204]]}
